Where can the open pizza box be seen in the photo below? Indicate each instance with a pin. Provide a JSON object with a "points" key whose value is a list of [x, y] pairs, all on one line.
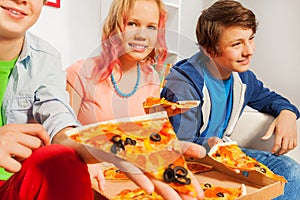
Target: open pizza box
{"points": [[257, 185]]}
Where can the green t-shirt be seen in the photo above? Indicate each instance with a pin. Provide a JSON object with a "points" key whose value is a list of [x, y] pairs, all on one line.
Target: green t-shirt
{"points": [[5, 70]]}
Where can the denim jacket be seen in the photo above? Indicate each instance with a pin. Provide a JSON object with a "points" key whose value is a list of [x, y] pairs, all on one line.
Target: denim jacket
{"points": [[36, 89]]}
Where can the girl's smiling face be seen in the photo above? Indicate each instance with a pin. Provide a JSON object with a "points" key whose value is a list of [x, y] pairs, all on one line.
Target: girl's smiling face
{"points": [[237, 47], [141, 30]]}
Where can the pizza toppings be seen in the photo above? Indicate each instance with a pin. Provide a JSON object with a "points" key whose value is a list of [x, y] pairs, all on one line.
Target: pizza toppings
{"points": [[155, 137], [177, 174], [119, 144]]}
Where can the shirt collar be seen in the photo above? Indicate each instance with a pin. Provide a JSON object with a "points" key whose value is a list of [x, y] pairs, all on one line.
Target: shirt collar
{"points": [[26, 53]]}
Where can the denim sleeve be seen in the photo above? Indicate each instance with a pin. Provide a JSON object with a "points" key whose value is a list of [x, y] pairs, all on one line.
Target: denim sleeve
{"points": [[177, 88], [51, 100]]}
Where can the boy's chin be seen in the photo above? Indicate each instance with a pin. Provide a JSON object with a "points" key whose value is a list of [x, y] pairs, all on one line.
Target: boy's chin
{"points": [[242, 69]]}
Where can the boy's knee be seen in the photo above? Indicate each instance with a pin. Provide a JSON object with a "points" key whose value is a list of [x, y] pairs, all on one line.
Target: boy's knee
{"points": [[56, 157]]}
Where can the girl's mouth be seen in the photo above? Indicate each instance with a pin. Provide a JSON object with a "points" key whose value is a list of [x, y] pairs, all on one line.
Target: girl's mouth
{"points": [[137, 46]]}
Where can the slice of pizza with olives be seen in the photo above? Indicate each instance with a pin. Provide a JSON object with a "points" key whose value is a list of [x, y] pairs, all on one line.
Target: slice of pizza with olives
{"points": [[147, 141], [230, 155], [213, 192]]}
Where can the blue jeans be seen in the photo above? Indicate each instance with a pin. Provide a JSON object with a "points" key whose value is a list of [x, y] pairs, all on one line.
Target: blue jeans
{"points": [[281, 165]]}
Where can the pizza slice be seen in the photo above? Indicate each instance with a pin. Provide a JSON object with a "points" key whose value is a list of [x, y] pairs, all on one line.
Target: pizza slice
{"points": [[196, 167], [153, 101], [113, 173], [149, 142], [218, 192], [137, 194], [230, 155]]}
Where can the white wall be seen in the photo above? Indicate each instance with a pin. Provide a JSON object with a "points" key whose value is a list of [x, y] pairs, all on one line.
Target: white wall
{"points": [[74, 29], [276, 60]]}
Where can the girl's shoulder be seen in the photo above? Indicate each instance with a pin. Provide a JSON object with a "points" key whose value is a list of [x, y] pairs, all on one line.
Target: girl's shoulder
{"points": [[82, 68]]}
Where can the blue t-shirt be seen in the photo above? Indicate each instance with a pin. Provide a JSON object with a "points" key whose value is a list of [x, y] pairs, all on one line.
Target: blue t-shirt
{"points": [[220, 92]]}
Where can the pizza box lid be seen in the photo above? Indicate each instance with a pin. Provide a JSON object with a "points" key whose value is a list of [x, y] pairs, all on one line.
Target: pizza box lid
{"points": [[257, 185]]}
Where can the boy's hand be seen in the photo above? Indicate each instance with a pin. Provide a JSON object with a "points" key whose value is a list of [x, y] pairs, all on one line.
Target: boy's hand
{"points": [[213, 141], [97, 173], [17, 141], [285, 129]]}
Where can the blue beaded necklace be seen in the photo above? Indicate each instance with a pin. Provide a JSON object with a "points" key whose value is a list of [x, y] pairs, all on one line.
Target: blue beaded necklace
{"points": [[125, 95]]}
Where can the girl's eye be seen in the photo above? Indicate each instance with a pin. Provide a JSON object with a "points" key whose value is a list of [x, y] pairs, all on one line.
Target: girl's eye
{"points": [[154, 28], [131, 24]]}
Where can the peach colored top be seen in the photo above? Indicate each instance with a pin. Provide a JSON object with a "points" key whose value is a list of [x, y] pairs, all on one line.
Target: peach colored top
{"points": [[100, 102]]}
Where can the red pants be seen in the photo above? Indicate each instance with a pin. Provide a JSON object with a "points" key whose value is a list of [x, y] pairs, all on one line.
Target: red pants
{"points": [[52, 172]]}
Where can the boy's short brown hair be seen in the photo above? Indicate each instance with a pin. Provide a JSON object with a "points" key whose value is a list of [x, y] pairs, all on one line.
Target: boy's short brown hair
{"points": [[222, 14]]}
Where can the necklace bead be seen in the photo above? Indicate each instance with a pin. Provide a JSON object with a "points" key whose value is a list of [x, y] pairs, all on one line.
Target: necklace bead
{"points": [[126, 95]]}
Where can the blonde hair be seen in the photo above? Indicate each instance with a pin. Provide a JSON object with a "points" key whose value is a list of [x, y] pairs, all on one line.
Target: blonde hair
{"points": [[112, 41]]}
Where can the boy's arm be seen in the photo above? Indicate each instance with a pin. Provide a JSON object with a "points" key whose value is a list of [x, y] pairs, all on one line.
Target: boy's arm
{"points": [[285, 129], [179, 88], [51, 100], [262, 99], [284, 126]]}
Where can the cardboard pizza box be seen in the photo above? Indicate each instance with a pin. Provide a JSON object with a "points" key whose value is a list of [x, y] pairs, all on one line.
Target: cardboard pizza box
{"points": [[257, 185]]}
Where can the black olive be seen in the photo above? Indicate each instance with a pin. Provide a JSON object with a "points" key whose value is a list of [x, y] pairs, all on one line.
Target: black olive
{"points": [[169, 175], [115, 149], [180, 171], [155, 137], [207, 185], [218, 155], [120, 144], [183, 180], [256, 165], [116, 138], [220, 194], [133, 142], [263, 170], [118, 171], [130, 141]]}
